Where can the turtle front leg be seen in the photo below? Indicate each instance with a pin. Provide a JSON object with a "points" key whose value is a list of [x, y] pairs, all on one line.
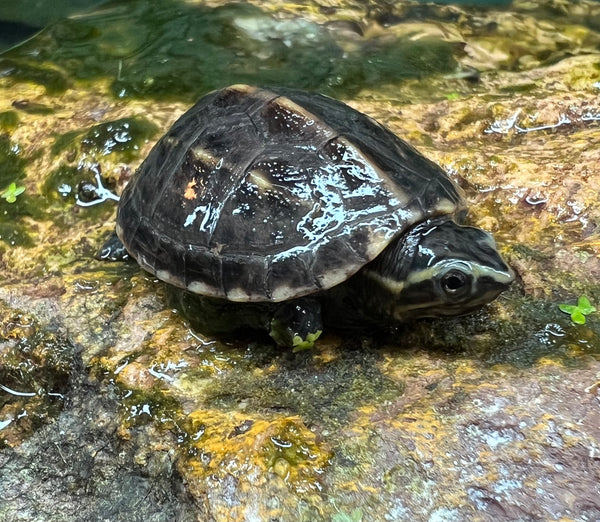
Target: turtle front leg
{"points": [[297, 324], [113, 250]]}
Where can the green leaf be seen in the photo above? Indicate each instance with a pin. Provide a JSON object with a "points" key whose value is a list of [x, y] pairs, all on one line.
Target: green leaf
{"points": [[579, 311], [577, 317], [567, 309], [585, 306], [10, 194]]}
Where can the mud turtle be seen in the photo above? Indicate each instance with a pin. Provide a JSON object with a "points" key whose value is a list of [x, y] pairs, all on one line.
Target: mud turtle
{"points": [[297, 207]]}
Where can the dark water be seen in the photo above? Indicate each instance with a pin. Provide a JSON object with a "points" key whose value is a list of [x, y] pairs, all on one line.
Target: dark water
{"points": [[21, 20], [12, 33]]}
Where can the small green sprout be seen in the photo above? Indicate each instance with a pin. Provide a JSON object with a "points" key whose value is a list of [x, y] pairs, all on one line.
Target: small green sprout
{"points": [[578, 311], [10, 194], [451, 96], [305, 344]]}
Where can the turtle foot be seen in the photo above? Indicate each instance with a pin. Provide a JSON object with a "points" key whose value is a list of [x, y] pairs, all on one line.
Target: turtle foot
{"points": [[112, 250], [297, 324]]}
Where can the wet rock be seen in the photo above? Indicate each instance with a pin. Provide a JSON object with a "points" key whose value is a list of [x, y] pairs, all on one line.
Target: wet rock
{"points": [[76, 469], [494, 416]]}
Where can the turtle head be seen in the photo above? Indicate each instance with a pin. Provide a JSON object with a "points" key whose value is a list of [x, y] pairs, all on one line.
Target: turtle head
{"points": [[440, 268]]}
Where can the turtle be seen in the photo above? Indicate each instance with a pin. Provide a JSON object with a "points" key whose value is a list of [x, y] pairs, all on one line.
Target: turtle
{"points": [[284, 210]]}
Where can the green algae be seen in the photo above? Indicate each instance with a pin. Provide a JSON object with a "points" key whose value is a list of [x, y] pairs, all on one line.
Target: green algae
{"points": [[54, 81], [82, 154], [213, 443], [141, 408], [60, 184], [14, 234], [30, 107], [9, 120], [520, 88], [12, 164], [122, 137]]}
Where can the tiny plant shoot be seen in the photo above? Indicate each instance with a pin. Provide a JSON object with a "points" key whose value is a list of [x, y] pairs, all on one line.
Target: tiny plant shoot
{"points": [[10, 194], [578, 311]]}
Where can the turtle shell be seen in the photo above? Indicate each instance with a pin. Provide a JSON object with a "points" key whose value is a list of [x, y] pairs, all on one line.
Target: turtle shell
{"points": [[268, 195]]}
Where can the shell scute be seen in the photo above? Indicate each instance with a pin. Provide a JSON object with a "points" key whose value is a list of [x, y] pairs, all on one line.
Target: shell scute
{"points": [[285, 120]]}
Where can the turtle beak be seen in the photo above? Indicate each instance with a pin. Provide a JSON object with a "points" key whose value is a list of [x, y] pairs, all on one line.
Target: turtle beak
{"points": [[491, 284]]}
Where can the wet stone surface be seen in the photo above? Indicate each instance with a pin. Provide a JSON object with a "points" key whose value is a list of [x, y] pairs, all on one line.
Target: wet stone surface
{"points": [[111, 407]]}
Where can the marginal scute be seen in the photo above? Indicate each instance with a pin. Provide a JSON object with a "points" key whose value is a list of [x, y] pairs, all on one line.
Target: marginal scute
{"points": [[168, 277], [237, 294], [198, 287], [231, 95], [270, 194], [445, 206]]}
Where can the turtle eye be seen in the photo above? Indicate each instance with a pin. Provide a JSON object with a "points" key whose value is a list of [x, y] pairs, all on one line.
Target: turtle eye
{"points": [[455, 283]]}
